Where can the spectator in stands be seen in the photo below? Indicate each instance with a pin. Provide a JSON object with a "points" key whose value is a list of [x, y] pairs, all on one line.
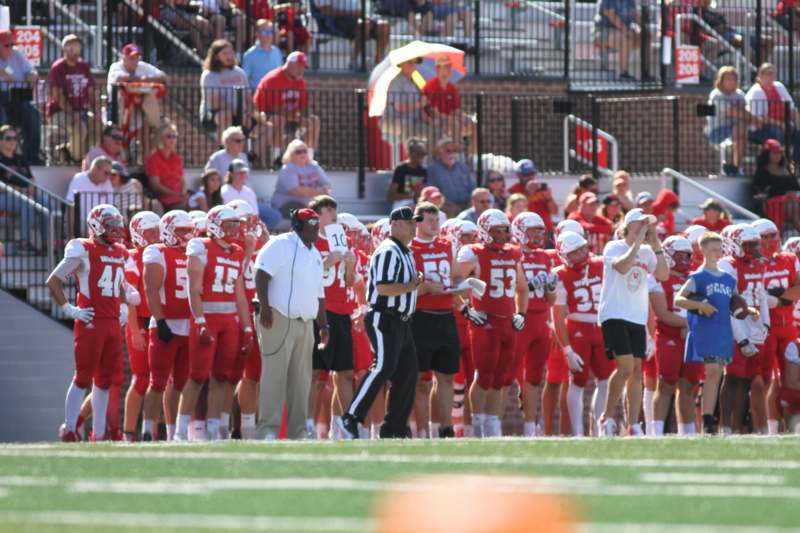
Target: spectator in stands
{"points": [[449, 173], [716, 21], [11, 203], [598, 229], [209, 194], [409, 176], [714, 217], [425, 11], [617, 27], [222, 14], [775, 176], [621, 187], [128, 192], [72, 104], [444, 105], [346, 15], [783, 11], [176, 16], [526, 173], [263, 57], [110, 146], [481, 199], [730, 118], [93, 186], [516, 204], [164, 169], [233, 140], [540, 199], [773, 110], [235, 188], [450, 12], [299, 180], [434, 195], [282, 96], [612, 209], [141, 88], [403, 116], [586, 183], [645, 201], [664, 207], [496, 183], [17, 84]]}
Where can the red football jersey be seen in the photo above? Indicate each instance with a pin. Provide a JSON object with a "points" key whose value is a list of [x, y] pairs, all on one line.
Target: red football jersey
{"points": [[362, 269], [749, 279], [498, 269], [670, 288], [579, 289], [434, 259], [175, 287], [222, 268], [781, 271], [134, 275], [101, 275], [534, 262], [250, 279], [597, 232], [336, 299]]}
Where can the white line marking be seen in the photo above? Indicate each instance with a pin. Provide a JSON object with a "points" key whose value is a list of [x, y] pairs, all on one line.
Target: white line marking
{"points": [[188, 521], [700, 478], [27, 481], [173, 453], [598, 527]]}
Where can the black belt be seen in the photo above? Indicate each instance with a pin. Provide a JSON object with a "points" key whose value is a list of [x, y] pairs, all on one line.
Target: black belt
{"points": [[392, 313]]}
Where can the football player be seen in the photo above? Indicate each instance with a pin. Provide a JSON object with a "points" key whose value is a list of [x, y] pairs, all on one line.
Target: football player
{"points": [[495, 316], [221, 329], [98, 265]]}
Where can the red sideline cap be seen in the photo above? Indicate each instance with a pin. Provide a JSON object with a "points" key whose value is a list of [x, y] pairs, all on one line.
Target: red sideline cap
{"points": [[131, 49], [773, 145], [297, 57], [587, 198], [305, 214]]}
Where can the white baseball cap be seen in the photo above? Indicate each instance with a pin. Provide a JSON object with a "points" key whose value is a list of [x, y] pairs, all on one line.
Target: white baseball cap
{"points": [[635, 215]]}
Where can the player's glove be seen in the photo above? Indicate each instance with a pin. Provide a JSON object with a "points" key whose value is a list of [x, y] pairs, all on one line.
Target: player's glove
{"points": [[777, 292], [536, 283], [246, 340], [163, 331], [473, 315], [203, 334], [518, 321], [552, 282], [83, 314], [747, 348], [650, 348], [123, 314], [132, 296], [574, 361]]}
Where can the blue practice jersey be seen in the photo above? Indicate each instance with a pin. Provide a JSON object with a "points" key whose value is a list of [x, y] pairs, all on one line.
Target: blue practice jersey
{"points": [[711, 336]]}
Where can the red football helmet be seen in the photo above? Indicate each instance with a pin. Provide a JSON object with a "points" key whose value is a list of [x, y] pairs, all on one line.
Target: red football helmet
{"points": [[105, 221], [678, 252], [792, 245], [177, 228], [567, 244], [521, 226], [140, 223], [223, 223]]}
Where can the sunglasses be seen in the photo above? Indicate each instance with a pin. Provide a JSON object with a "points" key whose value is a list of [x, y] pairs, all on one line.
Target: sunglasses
{"points": [[171, 136], [301, 151], [238, 140], [496, 179], [266, 33], [10, 138], [117, 137]]}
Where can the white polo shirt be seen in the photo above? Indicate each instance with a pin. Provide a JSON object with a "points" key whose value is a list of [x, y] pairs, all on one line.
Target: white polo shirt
{"points": [[296, 271], [229, 193], [626, 296]]}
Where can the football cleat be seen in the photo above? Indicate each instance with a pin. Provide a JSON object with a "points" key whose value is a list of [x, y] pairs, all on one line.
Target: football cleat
{"points": [[130, 436], [635, 430], [607, 427], [348, 427], [147, 437], [447, 432], [68, 436]]}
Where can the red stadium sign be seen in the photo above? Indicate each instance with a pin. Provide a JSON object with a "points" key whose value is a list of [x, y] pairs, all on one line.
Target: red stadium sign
{"points": [[687, 64], [584, 146], [29, 43]]}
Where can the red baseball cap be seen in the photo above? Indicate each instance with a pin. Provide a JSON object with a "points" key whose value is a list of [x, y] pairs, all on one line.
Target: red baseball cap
{"points": [[305, 214], [587, 198], [6, 37], [430, 192], [773, 145], [297, 57], [131, 49]]}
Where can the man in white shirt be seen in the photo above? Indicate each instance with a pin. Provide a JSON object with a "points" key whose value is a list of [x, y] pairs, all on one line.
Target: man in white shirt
{"points": [[235, 189], [623, 311], [94, 186], [290, 294]]}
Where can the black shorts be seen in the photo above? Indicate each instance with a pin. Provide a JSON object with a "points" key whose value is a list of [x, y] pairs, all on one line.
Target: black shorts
{"points": [[436, 338], [624, 338], [338, 354]]}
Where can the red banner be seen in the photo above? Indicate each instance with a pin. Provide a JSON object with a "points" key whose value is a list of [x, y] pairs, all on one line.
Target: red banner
{"points": [[583, 146], [29, 43]]}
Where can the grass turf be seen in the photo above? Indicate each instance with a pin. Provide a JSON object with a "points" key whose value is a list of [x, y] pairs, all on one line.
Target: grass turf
{"points": [[648, 484]]}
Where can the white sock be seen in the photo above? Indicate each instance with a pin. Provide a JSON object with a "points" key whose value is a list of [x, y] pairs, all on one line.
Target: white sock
{"points": [[99, 411], [170, 431], [248, 426], [334, 434], [575, 408], [492, 426], [375, 430], [198, 430], [212, 428], [772, 426], [310, 427], [469, 431], [423, 434], [687, 429], [322, 431], [658, 428], [413, 426], [72, 405], [224, 425], [363, 433], [478, 421], [529, 429], [147, 427], [433, 429], [182, 427], [599, 402], [727, 430], [647, 407]]}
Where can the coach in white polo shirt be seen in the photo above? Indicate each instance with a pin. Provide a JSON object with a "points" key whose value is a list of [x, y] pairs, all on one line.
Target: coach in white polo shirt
{"points": [[624, 306], [290, 295]]}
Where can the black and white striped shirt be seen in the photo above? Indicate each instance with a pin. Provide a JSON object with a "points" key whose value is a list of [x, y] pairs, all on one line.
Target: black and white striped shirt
{"points": [[392, 263]]}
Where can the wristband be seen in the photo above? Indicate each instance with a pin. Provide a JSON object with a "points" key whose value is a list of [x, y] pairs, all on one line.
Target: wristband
{"points": [[248, 329], [659, 252], [200, 321]]}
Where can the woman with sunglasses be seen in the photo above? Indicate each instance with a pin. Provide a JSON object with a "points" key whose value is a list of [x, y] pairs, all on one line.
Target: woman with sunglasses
{"points": [[164, 169], [233, 142], [496, 183], [110, 146], [299, 180]]}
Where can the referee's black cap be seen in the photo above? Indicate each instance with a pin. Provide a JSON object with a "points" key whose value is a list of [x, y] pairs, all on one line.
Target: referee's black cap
{"points": [[404, 213]]}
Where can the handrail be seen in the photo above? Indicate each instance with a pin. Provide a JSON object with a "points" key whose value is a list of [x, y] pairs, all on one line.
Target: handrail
{"points": [[34, 184], [165, 32], [674, 174], [536, 7], [741, 59], [568, 152]]}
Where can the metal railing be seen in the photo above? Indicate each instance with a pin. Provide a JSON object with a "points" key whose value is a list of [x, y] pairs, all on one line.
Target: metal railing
{"points": [[741, 61], [672, 178], [588, 142]]}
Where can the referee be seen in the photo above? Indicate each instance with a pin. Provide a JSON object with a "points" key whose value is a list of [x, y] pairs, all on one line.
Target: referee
{"points": [[392, 296]]}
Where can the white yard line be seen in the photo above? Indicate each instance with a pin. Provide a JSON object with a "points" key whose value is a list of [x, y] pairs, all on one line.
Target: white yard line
{"points": [[701, 478], [376, 457], [599, 527]]}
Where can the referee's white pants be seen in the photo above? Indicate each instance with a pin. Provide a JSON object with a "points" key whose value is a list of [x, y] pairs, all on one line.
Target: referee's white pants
{"points": [[286, 353]]}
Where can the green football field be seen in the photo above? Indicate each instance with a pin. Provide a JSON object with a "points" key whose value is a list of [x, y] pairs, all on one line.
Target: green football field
{"points": [[671, 484]]}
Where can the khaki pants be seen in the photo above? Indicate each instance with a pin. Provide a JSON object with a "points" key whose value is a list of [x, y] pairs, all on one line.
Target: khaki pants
{"points": [[285, 374]]}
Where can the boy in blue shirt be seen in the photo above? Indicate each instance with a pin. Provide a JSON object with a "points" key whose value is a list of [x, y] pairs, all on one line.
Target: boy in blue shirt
{"points": [[707, 295]]}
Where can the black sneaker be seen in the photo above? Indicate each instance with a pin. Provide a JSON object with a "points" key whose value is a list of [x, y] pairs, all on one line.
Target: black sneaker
{"points": [[147, 437], [447, 432], [348, 425], [708, 424]]}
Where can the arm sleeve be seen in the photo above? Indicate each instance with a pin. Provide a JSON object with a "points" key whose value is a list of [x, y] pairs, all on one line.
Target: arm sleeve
{"points": [[75, 249], [792, 354], [611, 251], [152, 254], [197, 248], [66, 267], [467, 255]]}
